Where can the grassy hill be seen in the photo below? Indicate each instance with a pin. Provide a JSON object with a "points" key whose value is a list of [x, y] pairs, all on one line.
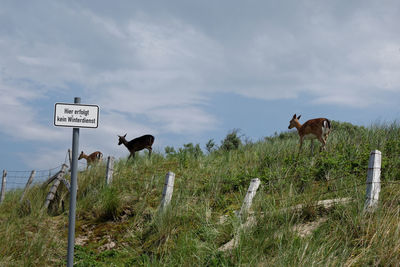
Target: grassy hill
{"points": [[119, 225]]}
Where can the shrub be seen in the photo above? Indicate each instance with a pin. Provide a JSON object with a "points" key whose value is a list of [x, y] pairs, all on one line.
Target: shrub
{"points": [[191, 150], [232, 141], [210, 146], [170, 150]]}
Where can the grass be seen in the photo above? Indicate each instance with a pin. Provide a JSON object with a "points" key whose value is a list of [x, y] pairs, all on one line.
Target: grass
{"points": [[120, 224]]}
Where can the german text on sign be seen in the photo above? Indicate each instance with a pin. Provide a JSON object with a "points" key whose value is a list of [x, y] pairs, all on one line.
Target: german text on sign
{"points": [[76, 115]]}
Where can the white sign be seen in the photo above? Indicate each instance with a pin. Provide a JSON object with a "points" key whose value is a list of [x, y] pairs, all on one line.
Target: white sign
{"points": [[76, 115]]}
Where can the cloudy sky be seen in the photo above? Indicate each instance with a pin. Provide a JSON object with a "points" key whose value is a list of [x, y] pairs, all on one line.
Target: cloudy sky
{"points": [[190, 71]]}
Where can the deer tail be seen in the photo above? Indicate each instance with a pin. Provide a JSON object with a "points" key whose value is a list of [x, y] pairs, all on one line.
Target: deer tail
{"points": [[328, 122], [151, 140]]}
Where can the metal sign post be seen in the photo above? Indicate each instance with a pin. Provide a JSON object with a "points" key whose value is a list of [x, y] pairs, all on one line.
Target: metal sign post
{"points": [[72, 198], [76, 116]]}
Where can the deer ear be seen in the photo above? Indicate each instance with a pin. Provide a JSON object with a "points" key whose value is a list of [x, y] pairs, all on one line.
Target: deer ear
{"points": [[125, 135], [294, 116], [298, 117]]}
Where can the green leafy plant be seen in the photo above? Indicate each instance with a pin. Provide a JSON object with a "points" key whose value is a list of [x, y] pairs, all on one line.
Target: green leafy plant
{"points": [[232, 141]]}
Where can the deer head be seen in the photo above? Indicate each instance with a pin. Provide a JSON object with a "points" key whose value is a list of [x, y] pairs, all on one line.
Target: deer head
{"points": [[294, 121], [121, 139]]}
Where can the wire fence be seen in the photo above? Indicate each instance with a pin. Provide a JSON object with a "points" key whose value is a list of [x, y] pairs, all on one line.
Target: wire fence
{"points": [[328, 187], [192, 192], [182, 194], [18, 179], [321, 194]]}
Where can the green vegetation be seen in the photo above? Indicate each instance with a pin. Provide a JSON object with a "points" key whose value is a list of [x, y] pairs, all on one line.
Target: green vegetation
{"points": [[120, 225]]}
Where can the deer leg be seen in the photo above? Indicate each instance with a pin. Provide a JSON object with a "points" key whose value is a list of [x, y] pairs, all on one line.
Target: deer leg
{"points": [[312, 147], [301, 144], [323, 142], [150, 149], [326, 137]]}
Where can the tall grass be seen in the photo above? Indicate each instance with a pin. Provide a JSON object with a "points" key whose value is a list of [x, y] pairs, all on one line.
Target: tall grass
{"points": [[120, 224]]}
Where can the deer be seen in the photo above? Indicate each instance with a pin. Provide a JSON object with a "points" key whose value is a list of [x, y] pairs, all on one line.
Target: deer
{"points": [[137, 144], [91, 159], [312, 129]]}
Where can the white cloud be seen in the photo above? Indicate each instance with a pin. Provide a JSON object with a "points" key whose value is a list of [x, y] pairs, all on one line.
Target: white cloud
{"points": [[19, 119], [153, 70], [182, 120], [155, 64], [325, 54], [44, 158]]}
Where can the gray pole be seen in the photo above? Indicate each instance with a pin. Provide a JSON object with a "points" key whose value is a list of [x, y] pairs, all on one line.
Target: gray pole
{"points": [[3, 186], [109, 170], [251, 192], [168, 189], [28, 183], [72, 199], [373, 180]]}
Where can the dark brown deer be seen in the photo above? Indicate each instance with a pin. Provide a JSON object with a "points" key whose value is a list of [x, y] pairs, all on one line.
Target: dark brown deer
{"points": [[137, 144], [312, 129], [91, 159]]}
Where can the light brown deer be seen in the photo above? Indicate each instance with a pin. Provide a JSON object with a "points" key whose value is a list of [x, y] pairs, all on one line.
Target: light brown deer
{"points": [[312, 129], [137, 144], [91, 159]]}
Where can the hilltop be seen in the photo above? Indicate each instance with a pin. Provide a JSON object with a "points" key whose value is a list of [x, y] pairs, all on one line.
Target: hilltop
{"points": [[120, 225]]}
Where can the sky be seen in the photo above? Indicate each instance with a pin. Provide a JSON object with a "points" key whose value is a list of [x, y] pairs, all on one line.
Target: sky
{"points": [[189, 71]]}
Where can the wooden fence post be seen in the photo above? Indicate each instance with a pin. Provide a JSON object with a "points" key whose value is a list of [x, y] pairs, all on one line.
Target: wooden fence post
{"points": [[53, 189], [168, 189], [251, 192], [373, 181], [66, 183], [109, 170], [3, 186], [28, 183]]}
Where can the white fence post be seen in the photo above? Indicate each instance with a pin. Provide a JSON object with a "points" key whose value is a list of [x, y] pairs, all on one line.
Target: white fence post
{"points": [[109, 170], [168, 189], [3, 186], [28, 183], [373, 180], [251, 192]]}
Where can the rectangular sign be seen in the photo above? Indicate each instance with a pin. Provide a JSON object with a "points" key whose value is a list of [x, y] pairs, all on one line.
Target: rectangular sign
{"points": [[76, 115]]}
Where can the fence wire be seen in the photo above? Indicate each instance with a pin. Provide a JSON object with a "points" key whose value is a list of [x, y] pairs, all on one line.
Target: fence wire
{"points": [[18, 178], [183, 195]]}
